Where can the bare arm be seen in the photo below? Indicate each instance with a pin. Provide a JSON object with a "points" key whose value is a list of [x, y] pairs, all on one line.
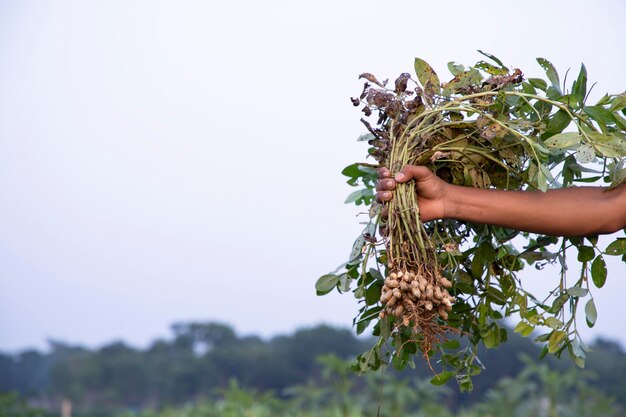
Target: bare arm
{"points": [[565, 212]]}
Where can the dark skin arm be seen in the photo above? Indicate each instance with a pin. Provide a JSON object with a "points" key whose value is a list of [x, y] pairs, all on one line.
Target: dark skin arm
{"points": [[577, 211]]}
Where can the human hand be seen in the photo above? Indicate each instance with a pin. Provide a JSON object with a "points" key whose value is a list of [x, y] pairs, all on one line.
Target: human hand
{"points": [[431, 190]]}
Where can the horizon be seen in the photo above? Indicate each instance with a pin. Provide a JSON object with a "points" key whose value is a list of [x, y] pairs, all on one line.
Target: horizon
{"points": [[46, 349]]}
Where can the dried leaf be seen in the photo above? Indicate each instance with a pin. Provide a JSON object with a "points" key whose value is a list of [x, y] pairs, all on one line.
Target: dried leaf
{"points": [[439, 155], [496, 82], [366, 87], [468, 81], [492, 131], [379, 98], [401, 82], [369, 77], [414, 104]]}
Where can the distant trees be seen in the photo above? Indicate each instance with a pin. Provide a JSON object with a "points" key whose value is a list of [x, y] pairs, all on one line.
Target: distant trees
{"points": [[538, 391], [201, 360], [11, 405]]}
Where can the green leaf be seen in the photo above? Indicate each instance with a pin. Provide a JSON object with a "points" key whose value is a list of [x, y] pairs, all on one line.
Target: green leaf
{"points": [[398, 362], [370, 314], [553, 76], [326, 283], [528, 89], [487, 252], [580, 362], [617, 176], [598, 271], [359, 293], [359, 172], [620, 121], [367, 361], [455, 69], [585, 153], [554, 93], [477, 266], [451, 344], [442, 378], [361, 326], [589, 179], [542, 180], [617, 247], [555, 340], [372, 294], [591, 313], [524, 328], [493, 58], [466, 385], [577, 349], [579, 89], [554, 323], [564, 141], [605, 100], [558, 303], [609, 145], [538, 83], [427, 77], [585, 253], [490, 339], [344, 283], [547, 174], [559, 121], [601, 115], [619, 103], [357, 249], [355, 196], [373, 275], [577, 292], [491, 69]]}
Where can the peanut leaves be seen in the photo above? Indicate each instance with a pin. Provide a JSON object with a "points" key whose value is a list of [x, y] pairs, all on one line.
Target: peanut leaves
{"points": [[487, 127]]}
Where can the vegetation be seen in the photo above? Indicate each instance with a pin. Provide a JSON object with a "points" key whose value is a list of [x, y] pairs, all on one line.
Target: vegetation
{"points": [[537, 391], [12, 405], [206, 369], [488, 127]]}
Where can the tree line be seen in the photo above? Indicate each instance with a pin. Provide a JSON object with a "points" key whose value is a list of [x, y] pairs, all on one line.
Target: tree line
{"points": [[200, 359]]}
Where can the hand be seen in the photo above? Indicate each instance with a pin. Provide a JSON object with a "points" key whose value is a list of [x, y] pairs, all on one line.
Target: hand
{"points": [[431, 190]]}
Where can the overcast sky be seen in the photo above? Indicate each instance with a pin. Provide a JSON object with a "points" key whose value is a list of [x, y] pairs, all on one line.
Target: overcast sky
{"points": [[167, 161]]}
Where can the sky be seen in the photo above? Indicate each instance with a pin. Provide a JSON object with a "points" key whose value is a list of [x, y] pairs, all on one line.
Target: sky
{"points": [[165, 161]]}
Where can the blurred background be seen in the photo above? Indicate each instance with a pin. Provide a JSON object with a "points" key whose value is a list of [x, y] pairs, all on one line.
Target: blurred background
{"points": [[170, 190]]}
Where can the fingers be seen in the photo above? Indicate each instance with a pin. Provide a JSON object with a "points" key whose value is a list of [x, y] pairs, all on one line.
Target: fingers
{"points": [[383, 196], [383, 190], [412, 172], [384, 185]]}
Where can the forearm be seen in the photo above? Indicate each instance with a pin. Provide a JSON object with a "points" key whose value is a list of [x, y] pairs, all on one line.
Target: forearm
{"points": [[565, 212]]}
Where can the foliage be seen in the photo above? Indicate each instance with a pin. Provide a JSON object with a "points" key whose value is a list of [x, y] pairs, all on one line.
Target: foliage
{"points": [[305, 370], [488, 128], [11, 405], [538, 391], [199, 358]]}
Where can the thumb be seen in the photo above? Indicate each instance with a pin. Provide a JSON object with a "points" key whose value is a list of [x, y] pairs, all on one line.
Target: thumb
{"points": [[410, 172]]}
